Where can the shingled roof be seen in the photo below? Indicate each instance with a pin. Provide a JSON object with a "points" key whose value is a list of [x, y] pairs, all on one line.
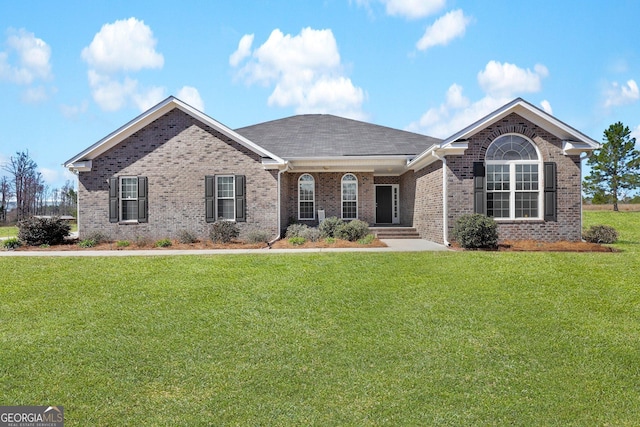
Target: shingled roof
{"points": [[325, 135]]}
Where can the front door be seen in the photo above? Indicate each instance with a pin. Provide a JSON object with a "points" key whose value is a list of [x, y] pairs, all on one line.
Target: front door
{"points": [[384, 204]]}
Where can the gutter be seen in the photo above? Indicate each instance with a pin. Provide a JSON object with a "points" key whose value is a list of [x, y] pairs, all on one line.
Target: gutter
{"points": [[279, 207], [445, 210]]}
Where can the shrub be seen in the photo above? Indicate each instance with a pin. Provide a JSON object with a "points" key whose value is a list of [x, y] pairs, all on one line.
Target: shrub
{"points": [[87, 243], [367, 240], [224, 231], [97, 236], [352, 231], [11, 243], [258, 236], [600, 234], [43, 231], [296, 230], [122, 243], [297, 241], [163, 243], [142, 241], [329, 225], [473, 231], [186, 236], [311, 234], [330, 240]]}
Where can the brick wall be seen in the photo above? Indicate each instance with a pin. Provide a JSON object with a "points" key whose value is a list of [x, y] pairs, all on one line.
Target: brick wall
{"points": [[421, 194], [329, 195], [460, 183], [175, 152]]}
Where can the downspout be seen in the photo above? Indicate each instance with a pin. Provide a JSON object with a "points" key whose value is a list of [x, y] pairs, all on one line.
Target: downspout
{"points": [[586, 155], [279, 207], [445, 210]]}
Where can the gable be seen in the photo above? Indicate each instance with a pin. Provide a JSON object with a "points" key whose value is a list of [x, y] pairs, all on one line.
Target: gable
{"points": [[83, 160]]}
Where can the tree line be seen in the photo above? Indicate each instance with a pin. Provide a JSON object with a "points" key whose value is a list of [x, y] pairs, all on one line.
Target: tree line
{"points": [[25, 186]]}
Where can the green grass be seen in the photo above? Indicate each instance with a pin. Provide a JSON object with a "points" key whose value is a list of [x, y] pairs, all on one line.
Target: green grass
{"points": [[9, 231], [627, 224], [454, 338]]}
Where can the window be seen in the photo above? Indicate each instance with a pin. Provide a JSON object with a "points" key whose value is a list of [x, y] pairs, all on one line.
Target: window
{"points": [[349, 196], [128, 199], [513, 178], [306, 197], [225, 198]]}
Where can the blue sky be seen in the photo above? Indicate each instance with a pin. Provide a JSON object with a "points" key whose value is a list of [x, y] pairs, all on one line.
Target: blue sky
{"points": [[73, 71]]}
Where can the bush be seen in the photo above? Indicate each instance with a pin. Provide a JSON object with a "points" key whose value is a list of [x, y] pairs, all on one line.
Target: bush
{"points": [[311, 234], [296, 230], [11, 243], [352, 231], [43, 231], [87, 243], [367, 240], [330, 240], [258, 236], [224, 231], [329, 225], [96, 236], [163, 243], [186, 236], [123, 244], [473, 231], [142, 241], [600, 234], [297, 241]]}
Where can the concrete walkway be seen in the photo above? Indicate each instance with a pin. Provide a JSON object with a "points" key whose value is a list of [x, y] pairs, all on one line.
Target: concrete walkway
{"points": [[393, 245]]}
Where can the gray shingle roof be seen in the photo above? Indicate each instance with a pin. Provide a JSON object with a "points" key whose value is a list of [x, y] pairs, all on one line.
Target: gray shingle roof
{"points": [[324, 135]]}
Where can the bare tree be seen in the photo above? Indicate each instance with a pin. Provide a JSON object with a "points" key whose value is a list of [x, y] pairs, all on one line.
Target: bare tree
{"points": [[25, 179], [5, 195]]}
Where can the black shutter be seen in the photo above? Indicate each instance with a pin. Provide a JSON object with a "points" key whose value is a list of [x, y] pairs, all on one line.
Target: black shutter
{"points": [[241, 215], [479, 198], [550, 192], [210, 198], [113, 200], [143, 206]]}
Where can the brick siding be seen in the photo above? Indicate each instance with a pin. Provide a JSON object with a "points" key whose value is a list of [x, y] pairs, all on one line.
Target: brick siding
{"points": [[421, 193], [175, 152]]}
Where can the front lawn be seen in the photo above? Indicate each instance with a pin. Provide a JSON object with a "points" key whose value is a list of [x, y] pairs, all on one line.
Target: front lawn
{"points": [[454, 338]]}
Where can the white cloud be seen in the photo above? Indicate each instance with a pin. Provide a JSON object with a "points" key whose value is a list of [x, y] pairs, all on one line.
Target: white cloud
{"points": [[125, 45], [35, 94], [191, 96], [73, 111], [506, 80], [546, 106], [458, 112], [33, 56], [50, 176], [413, 9], [122, 47], [305, 71], [617, 94], [444, 29], [244, 50]]}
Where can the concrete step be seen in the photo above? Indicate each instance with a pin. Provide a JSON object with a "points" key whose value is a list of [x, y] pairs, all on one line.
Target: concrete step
{"points": [[395, 232]]}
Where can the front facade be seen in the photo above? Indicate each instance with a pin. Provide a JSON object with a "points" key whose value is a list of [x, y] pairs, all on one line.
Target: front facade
{"points": [[175, 169]]}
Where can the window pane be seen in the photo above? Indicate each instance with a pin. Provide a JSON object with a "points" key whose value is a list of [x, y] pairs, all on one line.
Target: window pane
{"points": [[225, 186], [349, 210], [511, 147], [129, 209], [306, 192], [526, 205], [226, 208], [306, 210], [498, 205], [129, 188]]}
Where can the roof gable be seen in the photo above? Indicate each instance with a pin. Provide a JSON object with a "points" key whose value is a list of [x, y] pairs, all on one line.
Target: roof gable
{"points": [[82, 159]]}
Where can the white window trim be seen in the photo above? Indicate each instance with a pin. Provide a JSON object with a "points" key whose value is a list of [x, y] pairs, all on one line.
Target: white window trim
{"points": [[342, 200], [122, 199], [512, 181], [313, 212], [225, 198]]}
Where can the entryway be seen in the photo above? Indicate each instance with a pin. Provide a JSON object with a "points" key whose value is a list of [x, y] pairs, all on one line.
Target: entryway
{"points": [[387, 204]]}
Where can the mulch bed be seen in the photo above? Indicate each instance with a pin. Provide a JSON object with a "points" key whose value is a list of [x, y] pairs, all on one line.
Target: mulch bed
{"points": [[537, 246]]}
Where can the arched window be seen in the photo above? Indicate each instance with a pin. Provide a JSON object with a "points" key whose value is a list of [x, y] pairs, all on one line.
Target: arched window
{"points": [[349, 196], [306, 197], [513, 178]]}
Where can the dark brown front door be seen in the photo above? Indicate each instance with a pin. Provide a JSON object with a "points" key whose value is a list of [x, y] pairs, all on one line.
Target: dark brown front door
{"points": [[384, 204]]}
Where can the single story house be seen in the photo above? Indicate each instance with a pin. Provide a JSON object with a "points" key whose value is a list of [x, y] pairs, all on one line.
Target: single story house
{"points": [[174, 168]]}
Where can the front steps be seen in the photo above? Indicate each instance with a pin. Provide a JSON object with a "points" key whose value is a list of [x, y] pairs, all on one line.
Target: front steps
{"points": [[393, 232]]}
